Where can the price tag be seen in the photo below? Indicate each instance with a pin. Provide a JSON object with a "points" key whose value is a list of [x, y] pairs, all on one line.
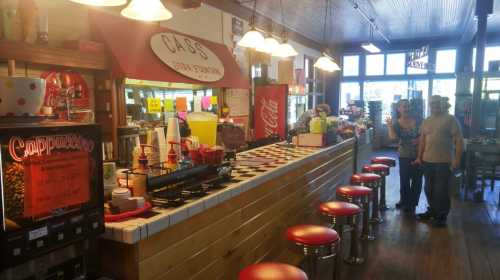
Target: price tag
{"points": [[154, 105], [56, 181]]}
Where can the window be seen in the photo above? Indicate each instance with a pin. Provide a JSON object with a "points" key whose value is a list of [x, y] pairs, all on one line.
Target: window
{"points": [[416, 71], [387, 92], [348, 93], [419, 89], [375, 65], [446, 88], [445, 61], [491, 53], [395, 64], [351, 65]]}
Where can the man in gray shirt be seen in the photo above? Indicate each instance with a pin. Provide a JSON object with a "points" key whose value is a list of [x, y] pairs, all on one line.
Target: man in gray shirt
{"points": [[440, 150]]}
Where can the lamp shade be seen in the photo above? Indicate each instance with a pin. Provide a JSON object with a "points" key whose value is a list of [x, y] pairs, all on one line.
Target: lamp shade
{"points": [[325, 63], [251, 39], [106, 3], [285, 50], [146, 10], [270, 44]]}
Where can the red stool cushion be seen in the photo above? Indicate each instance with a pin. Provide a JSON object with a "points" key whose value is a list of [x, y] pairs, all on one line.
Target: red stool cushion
{"points": [[353, 191], [272, 271], [365, 178], [339, 208], [312, 235], [376, 167], [384, 160]]}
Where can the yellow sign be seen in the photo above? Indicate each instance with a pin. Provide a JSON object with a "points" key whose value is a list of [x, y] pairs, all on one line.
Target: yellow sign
{"points": [[213, 100], [169, 105], [154, 105]]}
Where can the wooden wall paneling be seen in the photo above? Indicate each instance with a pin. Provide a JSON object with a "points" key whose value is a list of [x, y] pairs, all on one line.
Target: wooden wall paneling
{"points": [[187, 269], [119, 85], [118, 260]]}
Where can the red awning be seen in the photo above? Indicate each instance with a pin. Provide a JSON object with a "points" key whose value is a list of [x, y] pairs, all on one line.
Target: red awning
{"points": [[129, 44]]}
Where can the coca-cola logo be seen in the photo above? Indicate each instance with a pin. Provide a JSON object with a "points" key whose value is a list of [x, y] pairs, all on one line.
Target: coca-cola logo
{"points": [[20, 148], [269, 115]]}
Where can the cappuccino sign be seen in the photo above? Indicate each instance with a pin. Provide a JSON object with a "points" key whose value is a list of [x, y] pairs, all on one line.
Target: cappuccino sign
{"points": [[187, 56]]}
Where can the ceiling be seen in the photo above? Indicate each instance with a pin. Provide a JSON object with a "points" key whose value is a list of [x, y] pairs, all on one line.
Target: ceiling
{"points": [[397, 19]]}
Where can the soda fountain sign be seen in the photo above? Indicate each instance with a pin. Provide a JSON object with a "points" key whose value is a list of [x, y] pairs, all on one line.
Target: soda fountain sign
{"points": [[187, 56], [270, 111], [269, 116]]}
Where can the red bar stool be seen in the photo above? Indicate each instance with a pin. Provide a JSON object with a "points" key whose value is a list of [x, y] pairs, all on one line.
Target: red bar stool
{"points": [[360, 196], [373, 182], [272, 271], [344, 214], [383, 171], [389, 161], [316, 242]]}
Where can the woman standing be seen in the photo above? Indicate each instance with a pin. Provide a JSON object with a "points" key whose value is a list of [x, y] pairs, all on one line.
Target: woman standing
{"points": [[405, 128]]}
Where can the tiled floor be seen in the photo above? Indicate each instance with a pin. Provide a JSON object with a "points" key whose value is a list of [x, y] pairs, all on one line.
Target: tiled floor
{"points": [[468, 248]]}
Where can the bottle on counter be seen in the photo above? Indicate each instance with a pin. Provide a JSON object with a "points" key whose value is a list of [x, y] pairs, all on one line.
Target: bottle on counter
{"points": [[139, 180]]}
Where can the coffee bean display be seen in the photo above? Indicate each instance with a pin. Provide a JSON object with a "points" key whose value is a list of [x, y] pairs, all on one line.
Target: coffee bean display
{"points": [[14, 190]]}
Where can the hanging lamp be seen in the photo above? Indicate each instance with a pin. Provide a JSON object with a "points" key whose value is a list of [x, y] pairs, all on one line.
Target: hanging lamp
{"points": [[326, 62], [284, 50], [104, 3], [270, 43], [146, 10], [253, 38], [370, 47]]}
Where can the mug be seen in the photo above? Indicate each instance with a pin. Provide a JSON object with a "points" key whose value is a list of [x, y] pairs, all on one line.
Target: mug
{"points": [[21, 96]]}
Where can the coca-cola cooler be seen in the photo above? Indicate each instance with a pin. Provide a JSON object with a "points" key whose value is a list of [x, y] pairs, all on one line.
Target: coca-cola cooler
{"points": [[271, 111]]}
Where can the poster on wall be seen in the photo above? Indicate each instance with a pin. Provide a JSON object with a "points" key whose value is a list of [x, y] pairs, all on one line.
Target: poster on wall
{"points": [[238, 102], [270, 114]]}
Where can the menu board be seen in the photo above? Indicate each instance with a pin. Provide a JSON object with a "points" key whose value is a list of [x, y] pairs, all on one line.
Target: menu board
{"points": [[238, 101], [55, 181]]}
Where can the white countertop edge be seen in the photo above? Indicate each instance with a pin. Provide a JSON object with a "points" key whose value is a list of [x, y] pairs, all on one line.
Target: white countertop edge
{"points": [[134, 230]]}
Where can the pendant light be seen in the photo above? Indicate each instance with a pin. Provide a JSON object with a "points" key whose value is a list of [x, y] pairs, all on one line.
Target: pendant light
{"points": [[270, 43], [253, 38], [370, 47], [284, 50], [146, 10], [326, 62], [104, 3]]}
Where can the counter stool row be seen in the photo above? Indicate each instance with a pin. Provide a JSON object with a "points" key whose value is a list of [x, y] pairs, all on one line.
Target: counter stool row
{"points": [[319, 242]]}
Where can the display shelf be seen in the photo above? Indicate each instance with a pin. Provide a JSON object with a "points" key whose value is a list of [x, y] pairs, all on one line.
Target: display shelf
{"points": [[52, 56]]}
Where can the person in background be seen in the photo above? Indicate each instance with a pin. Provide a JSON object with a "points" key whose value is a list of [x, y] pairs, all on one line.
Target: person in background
{"points": [[440, 150], [405, 128], [302, 125]]}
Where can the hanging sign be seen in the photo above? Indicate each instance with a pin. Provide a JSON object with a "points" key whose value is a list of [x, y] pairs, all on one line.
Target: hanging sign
{"points": [[187, 56], [154, 105], [415, 59]]}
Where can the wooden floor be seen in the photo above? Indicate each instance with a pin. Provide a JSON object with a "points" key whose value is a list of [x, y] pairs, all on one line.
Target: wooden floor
{"points": [[468, 248]]}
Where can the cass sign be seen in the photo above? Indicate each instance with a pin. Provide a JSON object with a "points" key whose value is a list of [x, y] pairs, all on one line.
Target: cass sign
{"points": [[187, 56]]}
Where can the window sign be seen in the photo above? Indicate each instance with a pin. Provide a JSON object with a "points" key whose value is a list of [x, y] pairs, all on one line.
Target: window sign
{"points": [[419, 59]]}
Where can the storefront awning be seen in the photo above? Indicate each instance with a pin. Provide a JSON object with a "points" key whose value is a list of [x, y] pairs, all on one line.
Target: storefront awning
{"points": [[132, 57]]}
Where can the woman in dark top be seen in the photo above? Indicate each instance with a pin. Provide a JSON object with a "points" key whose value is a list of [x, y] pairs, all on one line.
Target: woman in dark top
{"points": [[406, 130]]}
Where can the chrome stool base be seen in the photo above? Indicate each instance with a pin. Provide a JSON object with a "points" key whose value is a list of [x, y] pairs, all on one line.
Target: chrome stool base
{"points": [[354, 260]]}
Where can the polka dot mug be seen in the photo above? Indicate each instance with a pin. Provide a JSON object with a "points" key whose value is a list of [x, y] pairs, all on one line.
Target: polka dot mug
{"points": [[20, 96]]}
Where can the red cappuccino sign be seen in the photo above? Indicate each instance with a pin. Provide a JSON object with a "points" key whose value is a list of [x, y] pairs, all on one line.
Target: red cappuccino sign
{"points": [[187, 56]]}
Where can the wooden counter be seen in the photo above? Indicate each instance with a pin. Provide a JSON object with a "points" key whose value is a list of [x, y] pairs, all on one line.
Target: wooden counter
{"points": [[245, 225]]}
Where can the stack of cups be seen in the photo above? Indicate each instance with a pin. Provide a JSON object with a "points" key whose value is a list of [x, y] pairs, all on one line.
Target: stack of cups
{"points": [[174, 135]]}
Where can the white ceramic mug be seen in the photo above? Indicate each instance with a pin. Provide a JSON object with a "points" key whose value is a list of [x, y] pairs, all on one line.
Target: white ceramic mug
{"points": [[21, 96]]}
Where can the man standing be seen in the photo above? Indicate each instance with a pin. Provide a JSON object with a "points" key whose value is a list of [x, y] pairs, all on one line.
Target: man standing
{"points": [[440, 150]]}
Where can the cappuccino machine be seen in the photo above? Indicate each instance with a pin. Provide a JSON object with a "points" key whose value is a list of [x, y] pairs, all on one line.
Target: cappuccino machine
{"points": [[51, 199]]}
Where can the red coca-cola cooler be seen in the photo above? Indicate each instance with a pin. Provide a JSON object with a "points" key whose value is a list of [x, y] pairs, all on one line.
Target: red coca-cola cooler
{"points": [[271, 111]]}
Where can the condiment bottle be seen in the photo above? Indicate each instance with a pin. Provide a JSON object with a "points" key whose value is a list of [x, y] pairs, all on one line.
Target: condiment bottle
{"points": [[172, 156], [141, 174]]}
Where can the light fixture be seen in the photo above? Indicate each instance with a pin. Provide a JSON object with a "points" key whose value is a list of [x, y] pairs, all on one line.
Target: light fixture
{"points": [[105, 3], [284, 50], [326, 62], [253, 38], [146, 10], [269, 46], [370, 47]]}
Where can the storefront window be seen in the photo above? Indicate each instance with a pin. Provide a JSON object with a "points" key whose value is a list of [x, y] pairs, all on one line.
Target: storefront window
{"points": [[387, 92], [419, 89], [445, 61], [396, 64], [491, 53], [349, 91], [446, 88], [375, 65], [350, 66]]}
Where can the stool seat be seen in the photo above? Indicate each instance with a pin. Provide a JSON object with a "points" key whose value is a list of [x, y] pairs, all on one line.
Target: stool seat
{"points": [[365, 178], [339, 208], [311, 235], [376, 167], [384, 160], [353, 191], [272, 271]]}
